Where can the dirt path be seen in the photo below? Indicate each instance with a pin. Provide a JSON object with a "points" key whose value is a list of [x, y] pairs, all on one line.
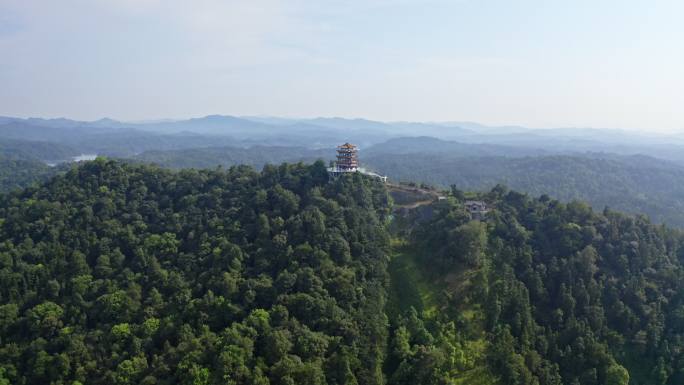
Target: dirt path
{"points": [[414, 204]]}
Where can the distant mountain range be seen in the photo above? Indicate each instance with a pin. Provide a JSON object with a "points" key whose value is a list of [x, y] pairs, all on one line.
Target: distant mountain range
{"points": [[326, 132], [633, 172]]}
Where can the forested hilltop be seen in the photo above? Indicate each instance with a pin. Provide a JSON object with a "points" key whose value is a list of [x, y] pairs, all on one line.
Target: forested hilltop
{"points": [[115, 273], [127, 274], [636, 184]]}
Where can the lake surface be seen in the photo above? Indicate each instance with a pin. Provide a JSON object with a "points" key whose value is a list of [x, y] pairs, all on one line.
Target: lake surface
{"points": [[79, 158], [84, 157]]}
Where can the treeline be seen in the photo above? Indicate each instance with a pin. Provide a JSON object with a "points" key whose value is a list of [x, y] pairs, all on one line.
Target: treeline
{"points": [[634, 184], [120, 274], [570, 296], [117, 273]]}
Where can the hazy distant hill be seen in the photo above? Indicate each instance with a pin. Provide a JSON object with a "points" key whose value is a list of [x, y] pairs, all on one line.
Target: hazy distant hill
{"points": [[309, 133], [100, 140], [429, 145], [28, 131], [636, 184], [35, 150], [20, 173], [212, 124], [259, 155], [109, 136], [114, 138], [211, 157]]}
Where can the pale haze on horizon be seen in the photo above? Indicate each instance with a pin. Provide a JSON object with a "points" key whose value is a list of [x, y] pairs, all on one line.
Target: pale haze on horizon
{"points": [[582, 63]]}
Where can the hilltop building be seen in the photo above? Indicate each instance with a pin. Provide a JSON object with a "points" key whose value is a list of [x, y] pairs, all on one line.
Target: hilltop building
{"points": [[347, 158], [477, 209], [348, 161]]}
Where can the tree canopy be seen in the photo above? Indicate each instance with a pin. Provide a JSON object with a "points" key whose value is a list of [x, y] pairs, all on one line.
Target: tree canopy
{"points": [[115, 273]]}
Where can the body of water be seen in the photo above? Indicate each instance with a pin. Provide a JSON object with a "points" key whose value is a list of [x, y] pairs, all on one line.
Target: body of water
{"points": [[83, 157], [78, 158]]}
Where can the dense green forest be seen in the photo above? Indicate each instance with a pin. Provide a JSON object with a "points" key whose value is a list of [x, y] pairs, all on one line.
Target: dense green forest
{"points": [[20, 173], [117, 273], [568, 295]]}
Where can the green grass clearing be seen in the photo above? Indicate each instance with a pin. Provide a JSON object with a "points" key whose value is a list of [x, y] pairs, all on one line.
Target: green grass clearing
{"points": [[413, 285]]}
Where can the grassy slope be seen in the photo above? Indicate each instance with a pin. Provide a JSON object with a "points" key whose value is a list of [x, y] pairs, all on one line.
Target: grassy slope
{"points": [[408, 286], [411, 285]]}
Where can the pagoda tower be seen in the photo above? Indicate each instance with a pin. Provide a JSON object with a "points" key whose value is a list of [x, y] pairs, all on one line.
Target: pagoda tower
{"points": [[347, 158]]}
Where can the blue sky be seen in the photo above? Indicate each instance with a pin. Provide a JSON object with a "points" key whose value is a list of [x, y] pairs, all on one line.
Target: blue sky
{"points": [[537, 63]]}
